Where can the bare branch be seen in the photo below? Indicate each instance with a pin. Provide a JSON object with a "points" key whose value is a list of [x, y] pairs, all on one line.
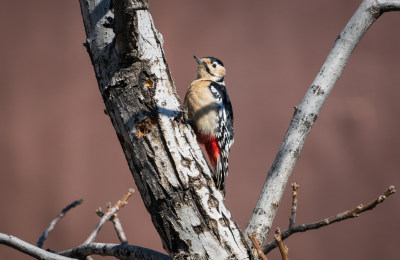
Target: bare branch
{"points": [[292, 218], [325, 222], [119, 251], [111, 211], [282, 248], [117, 226], [53, 223], [389, 5], [257, 246], [119, 230], [29, 249], [307, 112], [82, 251]]}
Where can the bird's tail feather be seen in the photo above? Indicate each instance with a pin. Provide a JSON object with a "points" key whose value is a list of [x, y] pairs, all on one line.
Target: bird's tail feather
{"points": [[220, 173], [218, 163]]}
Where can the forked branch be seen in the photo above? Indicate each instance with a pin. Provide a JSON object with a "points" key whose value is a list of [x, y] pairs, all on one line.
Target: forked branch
{"points": [[118, 251], [87, 249], [117, 225], [327, 221], [29, 249], [111, 211]]}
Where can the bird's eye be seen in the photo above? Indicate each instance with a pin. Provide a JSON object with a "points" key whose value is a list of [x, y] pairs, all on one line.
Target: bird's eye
{"points": [[214, 65]]}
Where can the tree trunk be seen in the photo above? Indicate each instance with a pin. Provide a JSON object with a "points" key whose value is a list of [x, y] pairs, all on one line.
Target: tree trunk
{"points": [[166, 162]]}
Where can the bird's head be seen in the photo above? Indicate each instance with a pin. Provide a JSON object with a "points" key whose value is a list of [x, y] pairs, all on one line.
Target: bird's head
{"points": [[210, 68]]}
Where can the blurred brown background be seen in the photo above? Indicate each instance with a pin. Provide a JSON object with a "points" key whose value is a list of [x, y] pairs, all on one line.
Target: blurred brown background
{"points": [[57, 145]]}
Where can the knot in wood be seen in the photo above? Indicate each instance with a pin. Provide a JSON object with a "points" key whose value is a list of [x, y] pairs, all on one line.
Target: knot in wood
{"points": [[317, 90], [213, 202], [143, 128]]}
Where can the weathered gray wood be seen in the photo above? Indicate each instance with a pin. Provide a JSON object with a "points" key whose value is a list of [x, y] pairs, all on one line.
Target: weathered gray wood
{"points": [[121, 251], [306, 113], [29, 249], [166, 162]]}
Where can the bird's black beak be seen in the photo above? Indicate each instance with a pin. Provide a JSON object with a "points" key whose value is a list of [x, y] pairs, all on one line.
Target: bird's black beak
{"points": [[200, 62]]}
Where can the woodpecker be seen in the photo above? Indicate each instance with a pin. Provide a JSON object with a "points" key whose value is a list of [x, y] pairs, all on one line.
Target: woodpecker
{"points": [[210, 114]]}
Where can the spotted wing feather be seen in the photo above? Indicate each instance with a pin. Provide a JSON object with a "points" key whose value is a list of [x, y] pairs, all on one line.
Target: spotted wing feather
{"points": [[224, 131]]}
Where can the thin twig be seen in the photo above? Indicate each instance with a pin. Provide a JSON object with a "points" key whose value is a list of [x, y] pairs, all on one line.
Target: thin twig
{"points": [[325, 222], [117, 226], [284, 250], [111, 211], [120, 231], [257, 246], [292, 218], [53, 223]]}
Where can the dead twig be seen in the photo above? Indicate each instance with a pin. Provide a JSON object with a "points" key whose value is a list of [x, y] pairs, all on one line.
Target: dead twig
{"points": [[278, 239], [292, 218], [111, 211], [325, 222], [53, 223], [117, 226], [257, 246]]}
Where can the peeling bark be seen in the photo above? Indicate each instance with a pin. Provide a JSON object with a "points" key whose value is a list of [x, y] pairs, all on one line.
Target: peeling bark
{"points": [[166, 162]]}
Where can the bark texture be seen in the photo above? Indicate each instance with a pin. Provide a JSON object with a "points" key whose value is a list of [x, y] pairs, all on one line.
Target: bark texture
{"points": [[166, 162]]}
